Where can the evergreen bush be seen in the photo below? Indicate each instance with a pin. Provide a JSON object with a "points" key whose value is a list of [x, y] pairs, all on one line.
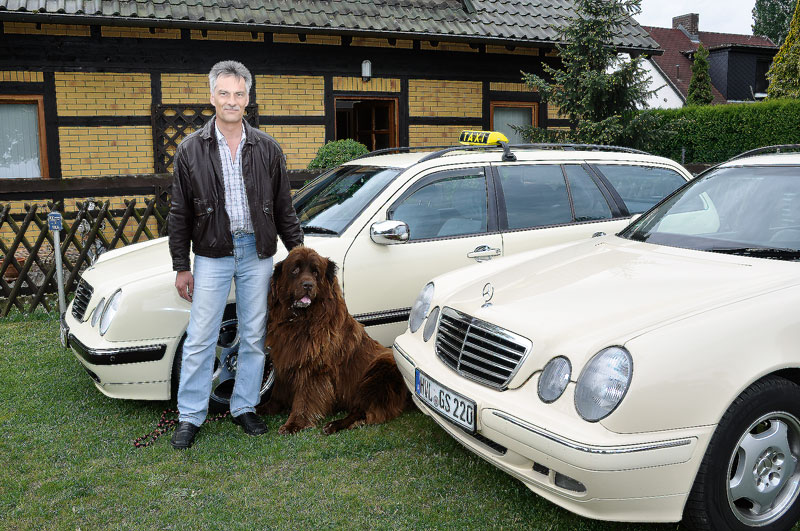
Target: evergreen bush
{"points": [[700, 85], [784, 74], [337, 152]]}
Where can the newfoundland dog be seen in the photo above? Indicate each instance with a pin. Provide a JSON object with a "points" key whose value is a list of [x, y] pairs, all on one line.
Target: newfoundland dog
{"points": [[324, 360]]}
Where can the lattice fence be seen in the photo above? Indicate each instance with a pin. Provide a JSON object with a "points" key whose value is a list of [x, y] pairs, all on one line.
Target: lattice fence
{"points": [[171, 123], [27, 269]]}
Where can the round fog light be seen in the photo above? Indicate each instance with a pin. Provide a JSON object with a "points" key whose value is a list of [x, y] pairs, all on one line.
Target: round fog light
{"points": [[554, 379]]}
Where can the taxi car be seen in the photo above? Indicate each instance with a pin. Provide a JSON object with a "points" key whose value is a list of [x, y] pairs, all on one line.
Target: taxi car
{"points": [[652, 375], [391, 222]]}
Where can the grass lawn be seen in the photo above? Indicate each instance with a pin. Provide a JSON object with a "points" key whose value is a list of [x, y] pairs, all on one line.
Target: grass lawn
{"points": [[68, 462]]}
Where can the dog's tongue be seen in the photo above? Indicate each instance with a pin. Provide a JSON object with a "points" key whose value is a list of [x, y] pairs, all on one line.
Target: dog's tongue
{"points": [[306, 300]]}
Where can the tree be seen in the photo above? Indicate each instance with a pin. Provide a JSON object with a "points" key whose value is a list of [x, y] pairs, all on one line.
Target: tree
{"points": [[784, 74], [771, 18], [596, 90], [700, 85]]}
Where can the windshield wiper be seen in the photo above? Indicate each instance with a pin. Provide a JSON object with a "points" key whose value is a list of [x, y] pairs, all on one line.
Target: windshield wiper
{"points": [[761, 252], [317, 230]]}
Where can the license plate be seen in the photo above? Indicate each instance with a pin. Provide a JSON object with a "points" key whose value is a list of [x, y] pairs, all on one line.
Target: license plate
{"points": [[63, 334], [456, 408]]}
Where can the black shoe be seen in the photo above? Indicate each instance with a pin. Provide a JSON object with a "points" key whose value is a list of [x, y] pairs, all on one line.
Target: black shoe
{"points": [[250, 423], [184, 435]]}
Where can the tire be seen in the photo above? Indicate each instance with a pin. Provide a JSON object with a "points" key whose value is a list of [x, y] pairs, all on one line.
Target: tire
{"points": [[750, 474], [224, 373]]}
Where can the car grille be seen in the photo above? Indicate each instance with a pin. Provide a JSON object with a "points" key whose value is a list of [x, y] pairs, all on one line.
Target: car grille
{"points": [[82, 297], [479, 350]]}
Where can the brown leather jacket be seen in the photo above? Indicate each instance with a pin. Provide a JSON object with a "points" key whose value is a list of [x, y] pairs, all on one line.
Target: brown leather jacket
{"points": [[197, 212]]}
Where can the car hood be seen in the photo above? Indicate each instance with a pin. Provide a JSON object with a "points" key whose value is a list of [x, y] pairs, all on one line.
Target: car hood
{"points": [[579, 299], [148, 259]]}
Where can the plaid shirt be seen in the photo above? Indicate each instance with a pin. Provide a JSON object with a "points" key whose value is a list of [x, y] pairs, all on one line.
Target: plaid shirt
{"points": [[235, 194]]}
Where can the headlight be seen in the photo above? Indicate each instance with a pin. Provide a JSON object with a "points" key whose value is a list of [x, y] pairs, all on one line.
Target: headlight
{"points": [[430, 326], [110, 311], [603, 383], [420, 308], [554, 379], [98, 310]]}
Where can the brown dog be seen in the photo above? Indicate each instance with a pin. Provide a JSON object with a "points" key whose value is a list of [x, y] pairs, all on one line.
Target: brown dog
{"points": [[323, 358]]}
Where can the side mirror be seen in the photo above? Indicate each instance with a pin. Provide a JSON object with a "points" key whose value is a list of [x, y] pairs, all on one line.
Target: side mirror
{"points": [[389, 232]]}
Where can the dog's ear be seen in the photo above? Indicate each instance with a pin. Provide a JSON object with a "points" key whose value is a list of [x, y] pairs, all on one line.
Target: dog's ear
{"points": [[330, 271], [278, 270]]}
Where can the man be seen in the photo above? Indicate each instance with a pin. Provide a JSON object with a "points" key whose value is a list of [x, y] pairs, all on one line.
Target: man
{"points": [[231, 199]]}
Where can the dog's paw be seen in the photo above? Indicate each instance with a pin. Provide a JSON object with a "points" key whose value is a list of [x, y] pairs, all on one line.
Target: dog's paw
{"points": [[331, 427], [291, 428]]}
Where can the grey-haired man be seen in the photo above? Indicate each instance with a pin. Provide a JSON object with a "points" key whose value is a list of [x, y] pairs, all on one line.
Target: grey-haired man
{"points": [[231, 199]]}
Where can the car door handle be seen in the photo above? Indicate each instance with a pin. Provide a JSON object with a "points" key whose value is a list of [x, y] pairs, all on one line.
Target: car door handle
{"points": [[483, 253]]}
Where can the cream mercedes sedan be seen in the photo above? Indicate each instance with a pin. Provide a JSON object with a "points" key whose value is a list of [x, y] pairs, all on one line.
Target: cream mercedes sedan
{"points": [[652, 375], [391, 222]]}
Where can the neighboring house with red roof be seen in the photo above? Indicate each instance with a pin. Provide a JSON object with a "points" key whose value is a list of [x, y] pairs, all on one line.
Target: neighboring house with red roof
{"points": [[737, 63]]}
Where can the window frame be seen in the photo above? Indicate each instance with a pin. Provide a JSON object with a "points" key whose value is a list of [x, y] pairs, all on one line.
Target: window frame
{"points": [[394, 115], [38, 100], [532, 105]]}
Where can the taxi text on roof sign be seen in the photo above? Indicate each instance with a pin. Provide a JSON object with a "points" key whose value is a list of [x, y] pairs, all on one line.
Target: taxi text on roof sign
{"points": [[482, 138]]}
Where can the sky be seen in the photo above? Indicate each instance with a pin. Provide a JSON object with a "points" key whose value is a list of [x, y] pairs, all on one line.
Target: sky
{"points": [[721, 16]]}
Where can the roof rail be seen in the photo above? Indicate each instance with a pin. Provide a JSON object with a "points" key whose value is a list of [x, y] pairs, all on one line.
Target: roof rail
{"points": [[443, 150], [766, 149]]}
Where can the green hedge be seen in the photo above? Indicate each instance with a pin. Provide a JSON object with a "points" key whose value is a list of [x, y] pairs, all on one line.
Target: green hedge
{"points": [[336, 153], [715, 133]]}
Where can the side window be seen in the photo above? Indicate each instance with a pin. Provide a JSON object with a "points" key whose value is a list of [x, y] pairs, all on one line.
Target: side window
{"points": [[587, 199], [23, 153], [451, 204], [535, 195], [641, 187]]}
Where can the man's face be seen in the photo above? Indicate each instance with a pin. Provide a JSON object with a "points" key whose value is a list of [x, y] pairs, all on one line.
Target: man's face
{"points": [[229, 98]]}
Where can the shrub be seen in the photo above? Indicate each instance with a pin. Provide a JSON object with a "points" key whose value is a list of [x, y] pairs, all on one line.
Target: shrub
{"points": [[715, 133], [700, 85], [784, 74], [335, 153]]}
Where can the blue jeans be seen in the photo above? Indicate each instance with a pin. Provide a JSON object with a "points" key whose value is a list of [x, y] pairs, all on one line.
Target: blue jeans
{"points": [[212, 283]]}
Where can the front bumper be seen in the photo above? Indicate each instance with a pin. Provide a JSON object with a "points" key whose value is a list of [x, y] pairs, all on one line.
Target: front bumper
{"points": [[140, 370], [636, 477]]}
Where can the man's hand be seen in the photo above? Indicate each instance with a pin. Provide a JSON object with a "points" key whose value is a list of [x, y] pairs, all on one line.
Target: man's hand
{"points": [[184, 283]]}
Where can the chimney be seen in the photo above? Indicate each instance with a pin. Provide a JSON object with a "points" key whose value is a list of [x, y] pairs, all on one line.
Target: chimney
{"points": [[689, 23]]}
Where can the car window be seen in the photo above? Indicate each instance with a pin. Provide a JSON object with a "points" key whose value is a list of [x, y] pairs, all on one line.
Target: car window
{"points": [[450, 205], [587, 199], [641, 187], [739, 209], [535, 195], [330, 204]]}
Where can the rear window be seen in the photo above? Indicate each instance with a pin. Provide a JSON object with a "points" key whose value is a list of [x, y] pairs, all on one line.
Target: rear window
{"points": [[641, 187]]}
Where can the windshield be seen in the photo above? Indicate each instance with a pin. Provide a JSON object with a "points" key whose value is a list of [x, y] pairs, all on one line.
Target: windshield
{"points": [[751, 211], [331, 202]]}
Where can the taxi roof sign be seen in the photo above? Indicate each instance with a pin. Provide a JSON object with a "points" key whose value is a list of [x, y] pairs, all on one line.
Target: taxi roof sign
{"points": [[482, 138]]}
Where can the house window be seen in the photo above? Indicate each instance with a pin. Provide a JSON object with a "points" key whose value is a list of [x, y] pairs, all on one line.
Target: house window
{"points": [[762, 66], [371, 121], [506, 114], [23, 152]]}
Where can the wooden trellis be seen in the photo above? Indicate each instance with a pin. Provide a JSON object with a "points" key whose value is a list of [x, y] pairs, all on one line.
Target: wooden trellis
{"points": [[172, 123], [27, 271]]}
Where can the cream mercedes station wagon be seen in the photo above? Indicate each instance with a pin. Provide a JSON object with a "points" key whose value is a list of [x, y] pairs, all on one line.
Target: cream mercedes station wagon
{"points": [[391, 222], [652, 375]]}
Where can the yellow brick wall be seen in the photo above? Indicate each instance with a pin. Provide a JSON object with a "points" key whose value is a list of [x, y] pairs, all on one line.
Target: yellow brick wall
{"points": [[553, 112], [518, 50], [214, 35], [185, 88], [290, 95], [436, 135], [381, 43], [444, 98], [510, 87], [22, 77], [300, 143], [29, 28], [294, 38], [92, 94], [93, 151], [448, 47], [140, 33], [356, 84]]}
